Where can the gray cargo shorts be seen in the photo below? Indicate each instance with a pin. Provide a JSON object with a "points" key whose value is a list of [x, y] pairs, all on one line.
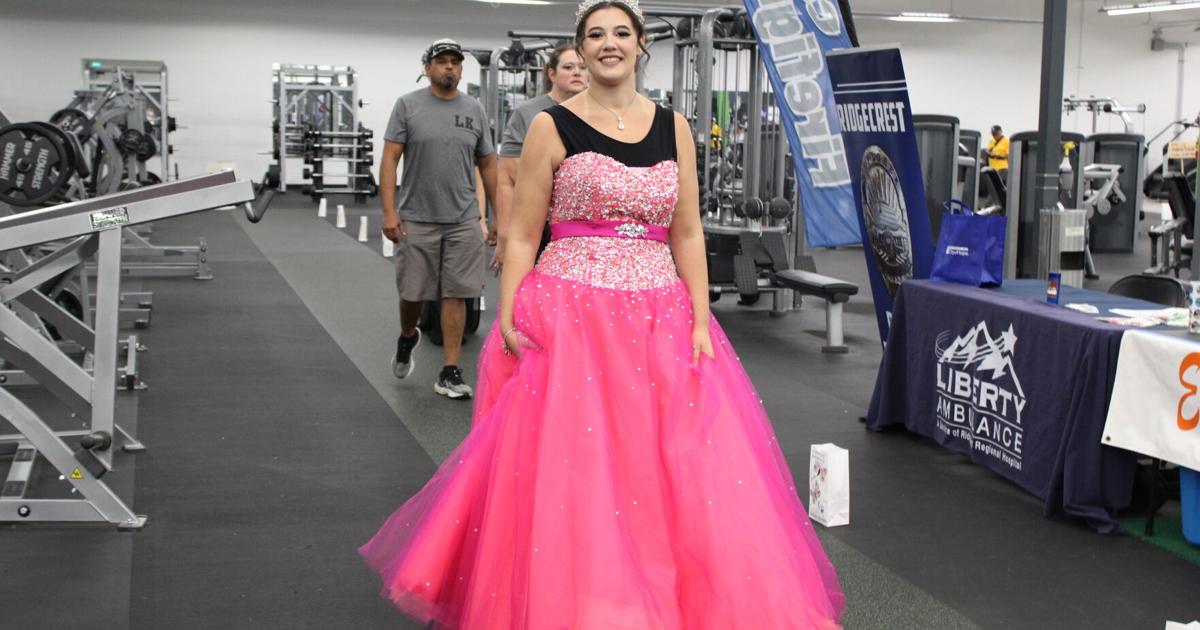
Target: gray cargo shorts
{"points": [[445, 255]]}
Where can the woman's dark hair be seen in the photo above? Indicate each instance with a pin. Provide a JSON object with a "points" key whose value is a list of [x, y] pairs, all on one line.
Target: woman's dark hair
{"points": [[552, 63], [638, 28]]}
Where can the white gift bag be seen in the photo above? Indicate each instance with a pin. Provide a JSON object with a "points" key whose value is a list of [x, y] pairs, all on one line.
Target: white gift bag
{"points": [[829, 485]]}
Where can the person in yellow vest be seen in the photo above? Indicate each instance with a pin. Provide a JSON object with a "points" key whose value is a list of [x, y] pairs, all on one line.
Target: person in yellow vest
{"points": [[997, 152]]}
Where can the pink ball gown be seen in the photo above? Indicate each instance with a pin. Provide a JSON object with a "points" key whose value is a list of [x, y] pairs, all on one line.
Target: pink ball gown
{"points": [[606, 482]]}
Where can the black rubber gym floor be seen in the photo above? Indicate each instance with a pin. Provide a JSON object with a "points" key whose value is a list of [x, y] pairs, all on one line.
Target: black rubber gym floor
{"points": [[278, 442]]}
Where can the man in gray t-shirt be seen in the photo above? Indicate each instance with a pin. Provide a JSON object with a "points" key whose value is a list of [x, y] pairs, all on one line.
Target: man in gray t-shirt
{"points": [[437, 222], [443, 140]]}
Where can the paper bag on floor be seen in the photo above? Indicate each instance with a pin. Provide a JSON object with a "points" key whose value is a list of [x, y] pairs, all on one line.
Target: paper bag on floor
{"points": [[829, 485]]}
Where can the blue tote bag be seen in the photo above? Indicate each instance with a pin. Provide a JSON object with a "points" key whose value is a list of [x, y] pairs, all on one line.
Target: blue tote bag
{"points": [[970, 248]]}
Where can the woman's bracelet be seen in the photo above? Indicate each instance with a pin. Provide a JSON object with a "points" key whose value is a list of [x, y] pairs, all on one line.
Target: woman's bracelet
{"points": [[504, 339]]}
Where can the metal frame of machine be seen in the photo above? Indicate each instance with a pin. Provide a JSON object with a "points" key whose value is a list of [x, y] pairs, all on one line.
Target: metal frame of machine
{"points": [[91, 227], [317, 120], [749, 213], [148, 79]]}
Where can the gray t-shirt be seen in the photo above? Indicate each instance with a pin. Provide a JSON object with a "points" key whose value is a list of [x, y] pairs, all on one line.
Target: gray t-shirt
{"points": [[442, 140], [513, 139]]}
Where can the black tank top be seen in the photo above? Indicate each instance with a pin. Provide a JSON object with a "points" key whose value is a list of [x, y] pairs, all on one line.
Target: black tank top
{"points": [[579, 137]]}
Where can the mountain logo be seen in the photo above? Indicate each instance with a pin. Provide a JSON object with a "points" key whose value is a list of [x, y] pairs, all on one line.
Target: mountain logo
{"points": [[979, 350], [980, 400]]}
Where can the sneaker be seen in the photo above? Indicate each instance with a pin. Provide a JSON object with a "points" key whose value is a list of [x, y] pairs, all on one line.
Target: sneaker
{"points": [[402, 362], [450, 384]]}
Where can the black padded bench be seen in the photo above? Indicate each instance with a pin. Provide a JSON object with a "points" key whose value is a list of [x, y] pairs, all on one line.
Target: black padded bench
{"points": [[835, 293]]}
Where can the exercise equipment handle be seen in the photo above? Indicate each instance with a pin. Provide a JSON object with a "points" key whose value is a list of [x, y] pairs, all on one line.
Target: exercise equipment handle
{"points": [[256, 210]]}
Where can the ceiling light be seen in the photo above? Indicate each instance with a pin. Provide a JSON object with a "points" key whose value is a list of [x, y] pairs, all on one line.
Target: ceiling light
{"points": [[943, 17], [537, 2], [1150, 7], [910, 16]]}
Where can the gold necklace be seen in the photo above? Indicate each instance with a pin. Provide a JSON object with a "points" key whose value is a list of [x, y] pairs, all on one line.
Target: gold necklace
{"points": [[621, 116]]}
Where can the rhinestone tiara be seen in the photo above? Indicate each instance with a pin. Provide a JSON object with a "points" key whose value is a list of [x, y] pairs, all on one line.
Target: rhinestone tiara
{"points": [[588, 5]]}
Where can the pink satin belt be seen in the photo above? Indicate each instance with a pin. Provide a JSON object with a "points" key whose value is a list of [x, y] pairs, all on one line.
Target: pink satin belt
{"points": [[618, 229]]}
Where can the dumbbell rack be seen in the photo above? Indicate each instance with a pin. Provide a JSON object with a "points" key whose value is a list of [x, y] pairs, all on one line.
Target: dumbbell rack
{"points": [[317, 120], [351, 148]]}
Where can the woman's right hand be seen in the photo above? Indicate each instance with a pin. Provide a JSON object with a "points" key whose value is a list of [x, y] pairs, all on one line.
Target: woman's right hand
{"points": [[510, 339], [517, 342]]}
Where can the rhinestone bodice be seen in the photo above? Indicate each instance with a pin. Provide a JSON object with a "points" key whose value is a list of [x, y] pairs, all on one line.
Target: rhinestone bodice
{"points": [[594, 187]]}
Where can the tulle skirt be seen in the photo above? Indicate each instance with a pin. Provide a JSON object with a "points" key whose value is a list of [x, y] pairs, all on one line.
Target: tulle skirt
{"points": [[607, 483]]}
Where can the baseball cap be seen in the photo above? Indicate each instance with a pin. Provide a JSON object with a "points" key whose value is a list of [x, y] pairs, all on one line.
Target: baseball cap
{"points": [[442, 46]]}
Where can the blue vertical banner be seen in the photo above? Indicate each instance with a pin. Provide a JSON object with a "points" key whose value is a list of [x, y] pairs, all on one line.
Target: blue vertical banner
{"points": [[793, 37], [889, 191]]}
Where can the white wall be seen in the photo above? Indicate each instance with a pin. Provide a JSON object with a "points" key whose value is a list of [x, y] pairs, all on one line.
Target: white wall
{"points": [[989, 73], [220, 53], [219, 59]]}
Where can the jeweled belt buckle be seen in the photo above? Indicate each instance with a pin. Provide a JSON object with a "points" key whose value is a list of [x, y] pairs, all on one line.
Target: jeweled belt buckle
{"points": [[632, 230]]}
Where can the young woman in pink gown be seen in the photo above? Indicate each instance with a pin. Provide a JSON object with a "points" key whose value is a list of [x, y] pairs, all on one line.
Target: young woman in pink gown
{"points": [[620, 472]]}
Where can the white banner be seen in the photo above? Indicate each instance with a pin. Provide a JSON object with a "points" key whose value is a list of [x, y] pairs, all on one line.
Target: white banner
{"points": [[1155, 408]]}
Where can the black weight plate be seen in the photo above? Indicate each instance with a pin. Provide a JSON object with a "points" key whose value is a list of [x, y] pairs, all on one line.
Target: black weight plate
{"points": [[780, 208], [146, 148], [129, 140], [34, 165], [74, 163], [683, 29], [74, 153], [73, 121]]}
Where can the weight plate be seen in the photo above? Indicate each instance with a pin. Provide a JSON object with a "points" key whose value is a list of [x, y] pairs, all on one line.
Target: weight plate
{"points": [[73, 121], [67, 140], [129, 140], [74, 158], [780, 208], [146, 148], [34, 165]]}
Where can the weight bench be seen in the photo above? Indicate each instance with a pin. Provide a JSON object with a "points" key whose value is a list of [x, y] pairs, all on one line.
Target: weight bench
{"points": [[835, 293]]}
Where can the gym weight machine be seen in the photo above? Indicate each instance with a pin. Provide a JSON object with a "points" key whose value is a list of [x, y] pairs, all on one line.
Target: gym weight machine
{"points": [[82, 456], [316, 120], [948, 163], [747, 183], [102, 142], [749, 200], [1176, 182]]}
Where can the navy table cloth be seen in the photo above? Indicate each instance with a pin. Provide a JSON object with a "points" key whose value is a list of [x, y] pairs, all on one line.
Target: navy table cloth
{"points": [[1018, 385]]}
